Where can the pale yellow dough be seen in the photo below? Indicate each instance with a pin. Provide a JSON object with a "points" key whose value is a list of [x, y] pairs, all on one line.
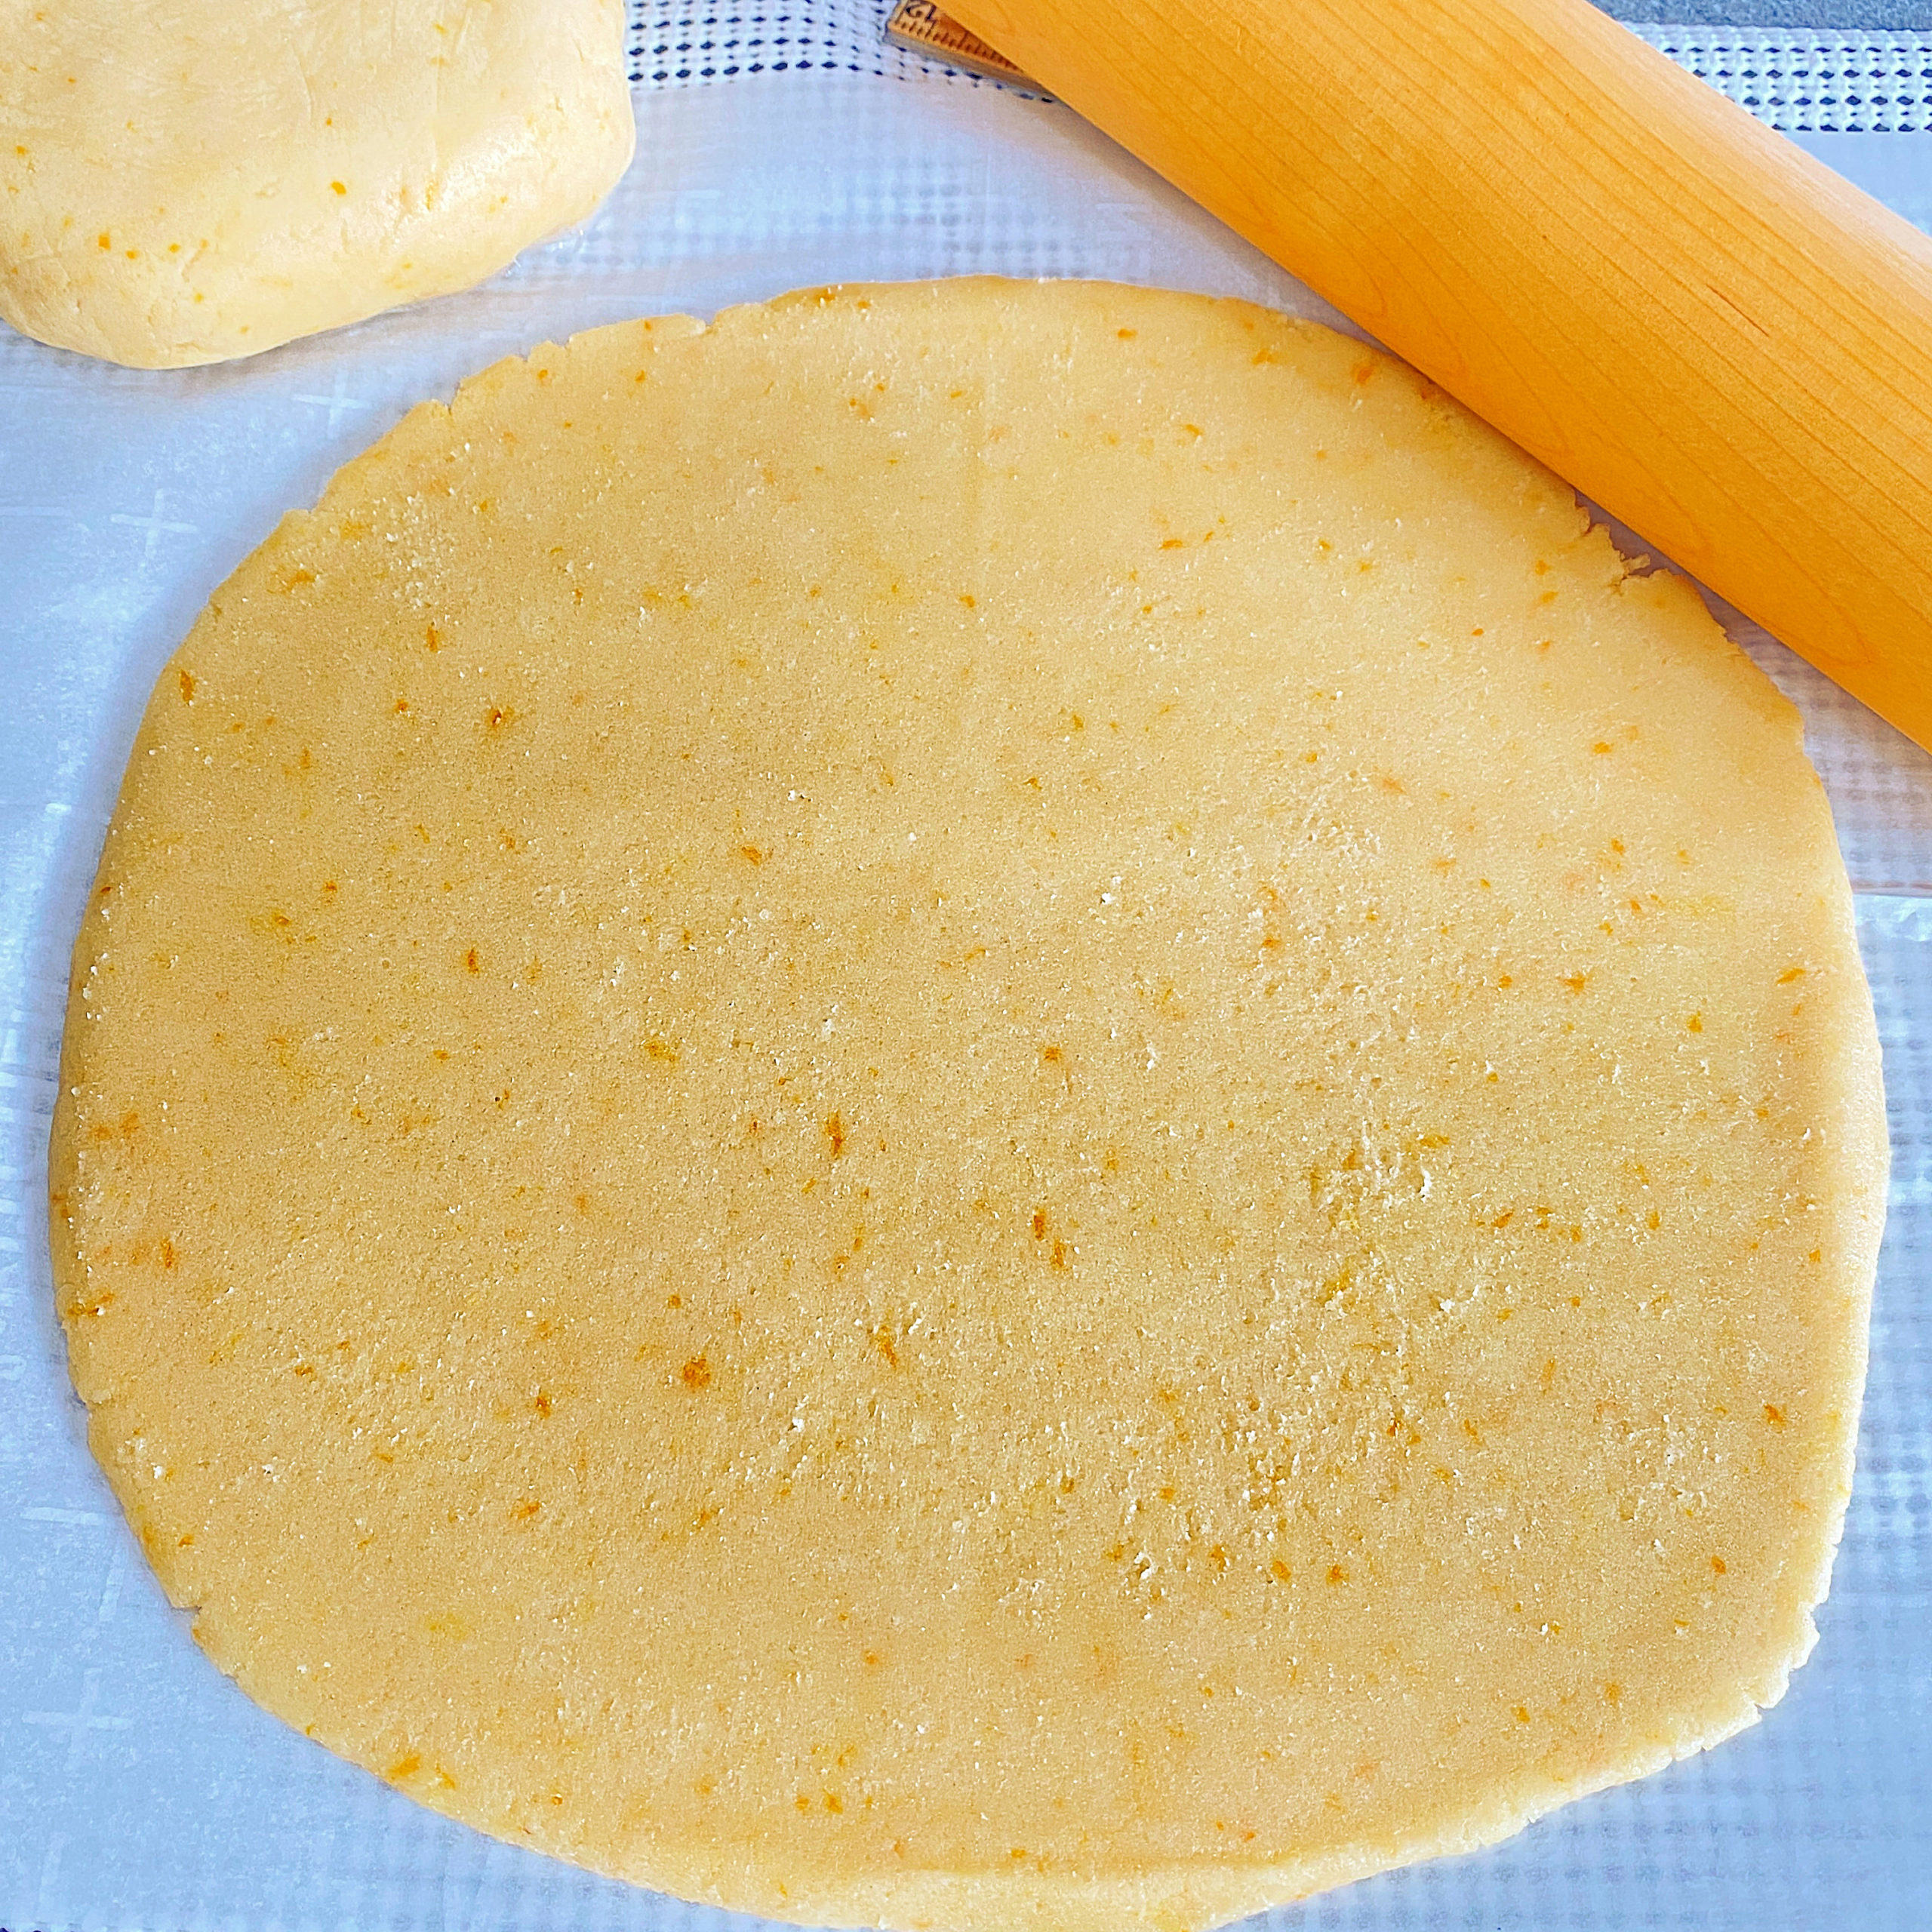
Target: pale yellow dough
{"points": [[979, 1106], [183, 181]]}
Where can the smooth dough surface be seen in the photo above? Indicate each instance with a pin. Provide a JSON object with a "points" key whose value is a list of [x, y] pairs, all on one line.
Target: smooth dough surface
{"points": [[182, 181], [972, 1106]]}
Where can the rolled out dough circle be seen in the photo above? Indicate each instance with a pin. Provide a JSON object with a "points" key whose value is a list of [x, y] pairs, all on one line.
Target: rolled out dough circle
{"points": [[973, 1105]]}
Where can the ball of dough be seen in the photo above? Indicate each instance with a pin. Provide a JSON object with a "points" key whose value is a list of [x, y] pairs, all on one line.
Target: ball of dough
{"points": [[974, 1106], [185, 182]]}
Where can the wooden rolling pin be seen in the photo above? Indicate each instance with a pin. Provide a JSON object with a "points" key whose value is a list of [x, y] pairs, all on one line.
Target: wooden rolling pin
{"points": [[1681, 312]]}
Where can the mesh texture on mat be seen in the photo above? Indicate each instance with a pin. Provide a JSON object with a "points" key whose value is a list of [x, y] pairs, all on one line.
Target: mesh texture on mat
{"points": [[694, 43], [1807, 81]]}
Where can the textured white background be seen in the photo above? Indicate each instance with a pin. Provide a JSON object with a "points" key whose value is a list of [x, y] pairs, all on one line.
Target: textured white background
{"points": [[138, 1788]]}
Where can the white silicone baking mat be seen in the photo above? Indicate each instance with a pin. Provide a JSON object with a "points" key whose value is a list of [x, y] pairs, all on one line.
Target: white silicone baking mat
{"points": [[778, 146]]}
